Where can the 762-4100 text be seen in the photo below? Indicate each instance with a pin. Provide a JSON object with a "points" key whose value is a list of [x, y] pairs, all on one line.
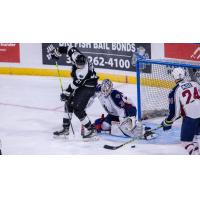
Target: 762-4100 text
{"points": [[112, 62]]}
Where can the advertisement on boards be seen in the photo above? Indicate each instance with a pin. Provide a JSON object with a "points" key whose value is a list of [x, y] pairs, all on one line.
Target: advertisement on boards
{"points": [[114, 56], [186, 51], [10, 52]]}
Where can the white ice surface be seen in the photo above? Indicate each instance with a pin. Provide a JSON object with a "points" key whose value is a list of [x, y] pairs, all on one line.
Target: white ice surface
{"points": [[30, 111]]}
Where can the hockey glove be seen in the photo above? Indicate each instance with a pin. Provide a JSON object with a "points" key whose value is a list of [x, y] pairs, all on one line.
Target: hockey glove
{"points": [[167, 125], [65, 96]]}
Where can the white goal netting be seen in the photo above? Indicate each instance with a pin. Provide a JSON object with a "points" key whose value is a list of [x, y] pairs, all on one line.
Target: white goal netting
{"points": [[155, 86]]}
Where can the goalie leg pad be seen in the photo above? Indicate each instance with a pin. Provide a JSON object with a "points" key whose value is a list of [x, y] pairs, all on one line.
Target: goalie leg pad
{"points": [[108, 122], [128, 123], [144, 132]]}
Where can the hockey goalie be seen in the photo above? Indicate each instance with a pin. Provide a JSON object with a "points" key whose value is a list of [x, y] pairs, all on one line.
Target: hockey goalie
{"points": [[121, 114]]}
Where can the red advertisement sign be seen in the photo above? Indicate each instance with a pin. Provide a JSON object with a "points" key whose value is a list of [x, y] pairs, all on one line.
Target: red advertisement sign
{"points": [[184, 51], [9, 52]]}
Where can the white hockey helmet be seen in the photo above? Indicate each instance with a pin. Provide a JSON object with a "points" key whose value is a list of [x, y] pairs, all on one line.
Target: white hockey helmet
{"points": [[178, 73], [106, 87]]}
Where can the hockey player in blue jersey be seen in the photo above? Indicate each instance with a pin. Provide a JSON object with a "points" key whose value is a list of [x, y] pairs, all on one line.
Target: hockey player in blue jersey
{"points": [[120, 109], [184, 100]]}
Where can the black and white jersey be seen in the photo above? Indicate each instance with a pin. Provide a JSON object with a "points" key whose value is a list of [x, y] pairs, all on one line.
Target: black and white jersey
{"points": [[86, 76]]}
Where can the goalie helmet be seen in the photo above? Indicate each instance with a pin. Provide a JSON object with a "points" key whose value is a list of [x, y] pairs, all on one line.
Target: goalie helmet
{"points": [[106, 87], [178, 73]]}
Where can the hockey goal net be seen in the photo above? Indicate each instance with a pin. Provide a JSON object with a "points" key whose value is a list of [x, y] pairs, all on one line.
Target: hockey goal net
{"points": [[153, 88]]}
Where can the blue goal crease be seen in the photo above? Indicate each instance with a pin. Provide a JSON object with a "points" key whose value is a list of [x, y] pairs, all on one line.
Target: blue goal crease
{"points": [[168, 137]]}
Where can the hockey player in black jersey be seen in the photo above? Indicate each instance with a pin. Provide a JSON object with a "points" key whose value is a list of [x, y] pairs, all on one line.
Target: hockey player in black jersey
{"points": [[79, 91]]}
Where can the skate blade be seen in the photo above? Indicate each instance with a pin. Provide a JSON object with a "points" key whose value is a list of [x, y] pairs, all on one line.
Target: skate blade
{"points": [[66, 137], [92, 139]]}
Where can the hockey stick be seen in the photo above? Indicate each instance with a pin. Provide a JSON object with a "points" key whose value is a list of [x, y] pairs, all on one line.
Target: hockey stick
{"points": [[61, 86], [128, 142], [117, 147]]}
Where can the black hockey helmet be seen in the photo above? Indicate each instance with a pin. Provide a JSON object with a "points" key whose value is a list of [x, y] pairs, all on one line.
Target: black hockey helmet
{"points": [[80, 60]]}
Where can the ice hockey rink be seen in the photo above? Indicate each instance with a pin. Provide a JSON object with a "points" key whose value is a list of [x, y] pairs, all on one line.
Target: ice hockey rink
{"points": [[31, 111]]}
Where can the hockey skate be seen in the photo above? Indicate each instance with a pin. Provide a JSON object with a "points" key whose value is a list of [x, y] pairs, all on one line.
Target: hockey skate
{"points": [[64, 132], [148, 134], [91, 134]]}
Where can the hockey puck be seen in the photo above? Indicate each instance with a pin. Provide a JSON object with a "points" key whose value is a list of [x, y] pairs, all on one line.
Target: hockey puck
{"points": [[133, 146]]}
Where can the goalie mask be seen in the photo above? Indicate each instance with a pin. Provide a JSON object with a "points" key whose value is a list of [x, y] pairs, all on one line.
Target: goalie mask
{"points": [[106, 87]]}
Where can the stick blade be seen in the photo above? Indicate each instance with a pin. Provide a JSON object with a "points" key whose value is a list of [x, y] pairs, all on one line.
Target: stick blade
{"points": [[110, 147]]}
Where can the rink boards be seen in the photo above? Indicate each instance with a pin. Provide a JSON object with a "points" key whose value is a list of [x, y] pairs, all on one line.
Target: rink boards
{"points": [[63, 73]]}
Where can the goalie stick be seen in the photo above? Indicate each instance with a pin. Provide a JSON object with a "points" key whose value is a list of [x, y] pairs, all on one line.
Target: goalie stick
{"points": [[117, 147], [130, 141]]}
